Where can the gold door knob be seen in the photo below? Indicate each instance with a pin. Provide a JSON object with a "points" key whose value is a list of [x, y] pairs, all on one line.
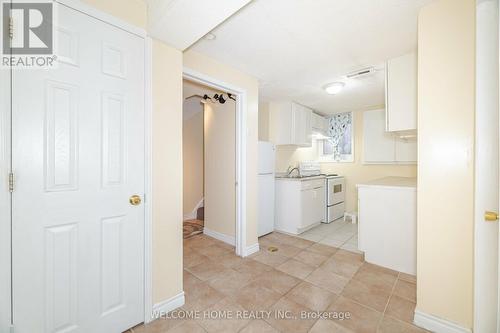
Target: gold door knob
{"points": [[491, 216], [135, 200]]}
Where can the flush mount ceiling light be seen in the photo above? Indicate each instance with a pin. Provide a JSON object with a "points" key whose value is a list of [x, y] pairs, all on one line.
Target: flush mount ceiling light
{"points": [[210, 36], [334, 88]]}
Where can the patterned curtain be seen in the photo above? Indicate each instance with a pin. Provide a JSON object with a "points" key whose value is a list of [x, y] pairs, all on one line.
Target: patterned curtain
{"points": [[340, 133]]}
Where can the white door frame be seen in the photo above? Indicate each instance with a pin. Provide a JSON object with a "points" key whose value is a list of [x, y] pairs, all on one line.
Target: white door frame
{"points": [[5, 162], [241, 151], [5, 203]]}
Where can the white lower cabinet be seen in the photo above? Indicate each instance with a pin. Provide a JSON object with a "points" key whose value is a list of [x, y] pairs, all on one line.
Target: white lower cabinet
{"points": [[300, 204], [387, 226]]}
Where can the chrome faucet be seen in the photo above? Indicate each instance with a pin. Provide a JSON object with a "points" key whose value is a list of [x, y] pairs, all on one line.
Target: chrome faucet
{"points": [[289, 171]]}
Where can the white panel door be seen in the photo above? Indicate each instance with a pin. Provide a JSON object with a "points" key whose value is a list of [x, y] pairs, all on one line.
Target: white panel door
{"points": [[78, 155], [486, 233]]}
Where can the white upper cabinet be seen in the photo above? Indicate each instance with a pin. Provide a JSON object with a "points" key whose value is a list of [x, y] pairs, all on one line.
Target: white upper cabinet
{"points": [[401, 93], [378, 144], [381, 147], [290, 124], [319, 123]]}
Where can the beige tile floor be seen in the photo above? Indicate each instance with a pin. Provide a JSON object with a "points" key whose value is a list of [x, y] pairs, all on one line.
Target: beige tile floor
{"points": [[340, 234], [302, 277]]}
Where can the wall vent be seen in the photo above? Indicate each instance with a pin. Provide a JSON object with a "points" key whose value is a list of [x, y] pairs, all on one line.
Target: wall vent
{"points": [[361, 73]]}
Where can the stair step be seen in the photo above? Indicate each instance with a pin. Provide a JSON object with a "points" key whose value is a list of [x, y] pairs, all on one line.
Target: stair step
{"points": [[200, 213]]}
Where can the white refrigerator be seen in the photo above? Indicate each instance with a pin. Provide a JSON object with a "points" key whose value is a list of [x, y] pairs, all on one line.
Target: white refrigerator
{"points": [[267, 153]]}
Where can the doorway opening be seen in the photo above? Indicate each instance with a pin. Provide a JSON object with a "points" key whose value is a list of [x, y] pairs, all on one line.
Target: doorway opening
{"points": [[240, 159], [209, 162]]}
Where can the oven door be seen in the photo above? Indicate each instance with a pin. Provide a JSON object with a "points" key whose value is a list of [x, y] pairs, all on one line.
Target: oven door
{"points": [[335, 212], [336, 191]]}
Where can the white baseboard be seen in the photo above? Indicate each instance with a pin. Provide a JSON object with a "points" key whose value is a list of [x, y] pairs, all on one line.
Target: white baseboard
{"points": [[436, 324], [162, 308], [222, 237], [251, 249]]}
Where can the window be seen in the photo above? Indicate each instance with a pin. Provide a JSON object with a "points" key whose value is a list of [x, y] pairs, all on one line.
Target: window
{"points": [[339, 146]]}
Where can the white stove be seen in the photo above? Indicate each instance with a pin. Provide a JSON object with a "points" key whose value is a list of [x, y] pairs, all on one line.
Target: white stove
{"points": [[335, 198]]}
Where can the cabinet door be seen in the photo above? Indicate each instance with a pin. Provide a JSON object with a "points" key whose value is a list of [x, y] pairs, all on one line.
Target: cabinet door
{"points": [[302, 125], [319, 123], [307, 127], [308, 207], [401, 93], [379, 145], [406, 150], [320, 204], [324, 124], [313, 206], [281, 124]]}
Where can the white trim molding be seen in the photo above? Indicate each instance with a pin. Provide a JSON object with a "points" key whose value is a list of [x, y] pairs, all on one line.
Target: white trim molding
{"points": [[251, 250], [241, 150], [162, 308], [220, 236], [148, 187], [5, 201], [436, 324], [80, 6]]}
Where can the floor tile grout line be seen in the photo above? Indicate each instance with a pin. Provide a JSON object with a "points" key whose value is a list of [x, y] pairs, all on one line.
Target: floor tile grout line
{"points": [[328, 257], [388, 300], [302, 280]]}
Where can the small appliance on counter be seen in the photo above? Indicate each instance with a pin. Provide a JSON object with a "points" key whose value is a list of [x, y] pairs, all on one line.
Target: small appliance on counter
{"points": [[309, 169]]}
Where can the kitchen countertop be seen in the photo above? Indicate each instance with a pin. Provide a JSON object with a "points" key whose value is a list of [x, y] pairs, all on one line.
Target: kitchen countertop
{"points": [[300, 178], [392, 182]]}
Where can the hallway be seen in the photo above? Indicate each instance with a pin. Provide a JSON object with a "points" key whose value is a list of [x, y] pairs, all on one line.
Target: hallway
{"points": [[302, 277]]}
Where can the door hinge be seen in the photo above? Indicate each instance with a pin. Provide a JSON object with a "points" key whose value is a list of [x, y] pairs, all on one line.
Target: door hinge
{"points": [[11, 182], [11, 27]]}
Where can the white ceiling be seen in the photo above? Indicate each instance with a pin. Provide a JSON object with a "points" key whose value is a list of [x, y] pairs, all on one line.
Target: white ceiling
{"points": [[295, 47], [180, 23]]}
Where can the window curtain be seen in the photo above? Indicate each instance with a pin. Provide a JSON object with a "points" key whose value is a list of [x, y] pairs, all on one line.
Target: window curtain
{"points": [[340, 133]]}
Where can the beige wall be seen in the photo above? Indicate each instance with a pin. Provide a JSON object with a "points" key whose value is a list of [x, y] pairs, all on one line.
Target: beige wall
{"points": [[446, 110], [167, 172], [192, 153], [220, 168], [212, 68], [131, 11], [354, 173], [263, 121], [167, 153]]}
